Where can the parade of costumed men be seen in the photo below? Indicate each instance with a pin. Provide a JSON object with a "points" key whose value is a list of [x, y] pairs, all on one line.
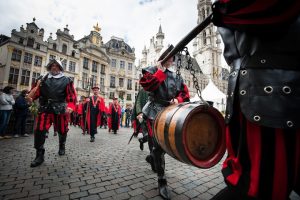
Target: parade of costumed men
{"points": [[93, 108], [114, 112], [57, 99]]}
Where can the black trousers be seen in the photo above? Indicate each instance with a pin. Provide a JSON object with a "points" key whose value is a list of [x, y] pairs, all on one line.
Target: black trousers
{"points": [[93, 124], [20, 126]]}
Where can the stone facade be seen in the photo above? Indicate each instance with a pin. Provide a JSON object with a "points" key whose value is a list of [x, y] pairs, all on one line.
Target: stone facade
{"points": [[88, 61], [207, 49]]}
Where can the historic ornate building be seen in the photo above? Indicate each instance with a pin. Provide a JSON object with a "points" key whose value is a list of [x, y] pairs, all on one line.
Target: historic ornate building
{"points": [[150, 56], [208, 50], [121, 77], [88, 61]]}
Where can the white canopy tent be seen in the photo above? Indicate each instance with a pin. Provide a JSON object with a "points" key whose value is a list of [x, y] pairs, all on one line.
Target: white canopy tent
{"points": [[212, 93]]}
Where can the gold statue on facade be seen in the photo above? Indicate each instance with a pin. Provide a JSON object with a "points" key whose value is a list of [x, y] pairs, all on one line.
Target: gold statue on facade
{"points": [[97, 28]]}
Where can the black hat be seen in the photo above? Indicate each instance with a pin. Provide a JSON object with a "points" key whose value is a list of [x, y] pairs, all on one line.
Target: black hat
{"points": [[95, 87], [58, 62], [166, 52]]}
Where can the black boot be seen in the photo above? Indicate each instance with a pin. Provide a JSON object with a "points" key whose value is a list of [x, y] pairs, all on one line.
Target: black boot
{"points": [[141, 144], [143, 140], [92, 139], [150, 160], [39, 159], [39, 141], [163, 189], [62, 143]]}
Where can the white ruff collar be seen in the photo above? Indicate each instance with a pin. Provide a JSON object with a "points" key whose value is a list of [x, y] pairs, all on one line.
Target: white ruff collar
{"points": [[61, 74]]}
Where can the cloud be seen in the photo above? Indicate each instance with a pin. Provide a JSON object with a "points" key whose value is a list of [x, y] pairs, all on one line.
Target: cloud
{"points": [[134, 20]]}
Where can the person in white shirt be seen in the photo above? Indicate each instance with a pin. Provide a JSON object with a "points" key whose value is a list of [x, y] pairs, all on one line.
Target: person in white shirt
{"points": [[6, 105]]}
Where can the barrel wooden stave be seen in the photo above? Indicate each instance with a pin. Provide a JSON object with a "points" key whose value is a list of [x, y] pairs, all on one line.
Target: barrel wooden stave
{"points": [[191, 133]]}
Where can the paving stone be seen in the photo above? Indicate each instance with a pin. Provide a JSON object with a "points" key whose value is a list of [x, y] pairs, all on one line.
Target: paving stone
{"points": [[96, 190], [91, 197], [50, 195], [78, 195], [107, 194]]}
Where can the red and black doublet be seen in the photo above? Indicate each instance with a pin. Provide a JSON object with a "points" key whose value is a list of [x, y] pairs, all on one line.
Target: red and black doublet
{"points": [[55, 95], [262, 114]]}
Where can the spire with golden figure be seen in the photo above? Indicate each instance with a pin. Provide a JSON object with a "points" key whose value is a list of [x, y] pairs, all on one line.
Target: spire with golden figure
{"points": [[97, 28]]}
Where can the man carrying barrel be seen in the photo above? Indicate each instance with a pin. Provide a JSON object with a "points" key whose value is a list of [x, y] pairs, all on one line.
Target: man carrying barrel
{"points": [[165, 88]]}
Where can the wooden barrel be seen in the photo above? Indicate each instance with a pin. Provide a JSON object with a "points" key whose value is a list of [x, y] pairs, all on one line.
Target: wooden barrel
{"points": [[192, 133]]}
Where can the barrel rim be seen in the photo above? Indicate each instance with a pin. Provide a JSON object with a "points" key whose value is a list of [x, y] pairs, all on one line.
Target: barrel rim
{"points": [[219, 152]]}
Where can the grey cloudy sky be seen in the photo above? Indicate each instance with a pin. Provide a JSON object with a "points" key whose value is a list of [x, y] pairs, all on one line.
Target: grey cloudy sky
{"points": [[134, 20]]}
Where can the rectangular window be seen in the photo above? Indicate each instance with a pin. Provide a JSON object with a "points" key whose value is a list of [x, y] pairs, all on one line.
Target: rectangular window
{"points": [[30, 42], [28, 58], [38, 46], [102, 69], [129, 66], [113, 62], [51, 57], [93, 80], [121, 82], [111, 95], [35, 76], [129, 84], [121, 95], [122, 64], [21, 41], [16, 55], [64, 63], [94, 66], [13, 75], [136, 86], [38, 61], [102, 81], [128, 97], [72, 66], [25, 76], [112, 82], [84, 80], [85, 63]]}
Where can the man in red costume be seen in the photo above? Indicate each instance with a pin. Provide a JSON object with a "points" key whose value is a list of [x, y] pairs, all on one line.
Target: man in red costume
{"points": [[165, 88], [94, 107], [262, 46], [115, 115], [57, 98]]}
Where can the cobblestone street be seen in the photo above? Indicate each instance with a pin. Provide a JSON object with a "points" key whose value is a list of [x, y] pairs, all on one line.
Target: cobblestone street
{"points": [[105, 169]]}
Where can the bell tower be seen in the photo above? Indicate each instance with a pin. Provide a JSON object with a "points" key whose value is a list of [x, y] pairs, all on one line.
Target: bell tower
{"points": [[207, 50]]}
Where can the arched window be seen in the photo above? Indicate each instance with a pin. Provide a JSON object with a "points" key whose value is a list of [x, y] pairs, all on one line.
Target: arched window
{"points": [[204, 38], [73, 53], [54, 46], [64, 48], [203, 14]]}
